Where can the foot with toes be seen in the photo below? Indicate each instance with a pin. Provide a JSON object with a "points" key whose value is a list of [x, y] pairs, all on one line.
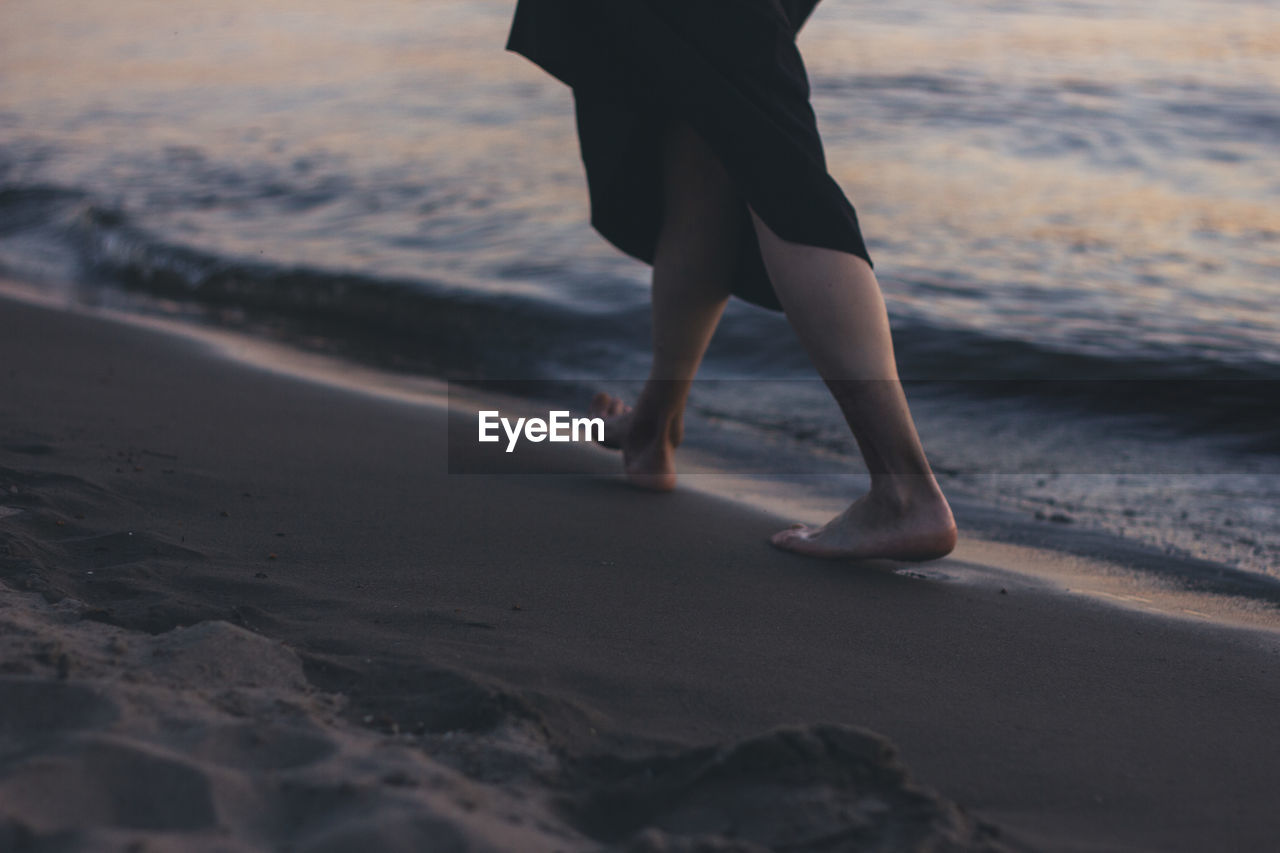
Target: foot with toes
{"points": [[917, 529], [889, 522], [647, 442]]}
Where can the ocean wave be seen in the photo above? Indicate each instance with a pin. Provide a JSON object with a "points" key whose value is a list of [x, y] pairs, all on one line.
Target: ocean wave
{"points": [[440, 329]]}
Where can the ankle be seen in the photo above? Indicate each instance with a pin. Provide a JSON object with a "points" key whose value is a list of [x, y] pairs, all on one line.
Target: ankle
{"points": [[904, 494], [652, 427]]}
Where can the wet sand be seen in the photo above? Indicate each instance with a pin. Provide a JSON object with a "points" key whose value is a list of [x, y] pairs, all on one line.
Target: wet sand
{"points": [[374, 651]]}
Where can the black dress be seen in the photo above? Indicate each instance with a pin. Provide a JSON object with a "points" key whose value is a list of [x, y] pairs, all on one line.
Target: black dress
{"points": [[730, 69]]}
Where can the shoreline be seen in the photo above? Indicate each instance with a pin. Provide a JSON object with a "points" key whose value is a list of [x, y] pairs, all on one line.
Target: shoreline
{"points": [[161, 484], [1123, 571]]}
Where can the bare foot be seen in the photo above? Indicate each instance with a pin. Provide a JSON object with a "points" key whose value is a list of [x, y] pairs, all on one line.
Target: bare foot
{"points": [[617, 419], [648, 445], [872, 527]]}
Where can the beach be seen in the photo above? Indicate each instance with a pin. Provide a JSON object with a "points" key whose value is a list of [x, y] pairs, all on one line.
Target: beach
{"points": [[245, 607], [1072, 211], [268, 269]]}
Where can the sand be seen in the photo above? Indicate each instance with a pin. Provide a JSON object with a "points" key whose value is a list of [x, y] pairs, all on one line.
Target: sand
{"points": [[243, 609]]}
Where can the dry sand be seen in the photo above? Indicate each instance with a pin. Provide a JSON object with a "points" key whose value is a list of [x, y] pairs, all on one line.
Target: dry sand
{"points": [[245, 611]]}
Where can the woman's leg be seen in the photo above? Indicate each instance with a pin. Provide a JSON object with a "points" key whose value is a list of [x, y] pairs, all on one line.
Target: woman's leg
{"points": [[697, 247], [834, 303]]}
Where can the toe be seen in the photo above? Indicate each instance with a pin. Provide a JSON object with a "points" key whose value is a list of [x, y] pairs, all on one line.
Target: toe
{"points": [[804, 540], [600, 404], [790, 537]]}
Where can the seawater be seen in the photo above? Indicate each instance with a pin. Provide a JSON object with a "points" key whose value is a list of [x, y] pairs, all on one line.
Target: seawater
{"points": [[1051, 190]]}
